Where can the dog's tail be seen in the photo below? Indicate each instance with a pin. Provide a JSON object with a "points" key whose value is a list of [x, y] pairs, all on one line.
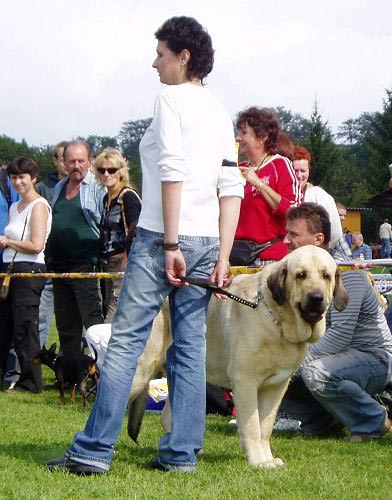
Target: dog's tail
{"points": [[136, 410]]}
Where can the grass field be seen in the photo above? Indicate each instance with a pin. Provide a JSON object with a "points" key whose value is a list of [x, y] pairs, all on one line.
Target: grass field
{"points": [[36, 428]]}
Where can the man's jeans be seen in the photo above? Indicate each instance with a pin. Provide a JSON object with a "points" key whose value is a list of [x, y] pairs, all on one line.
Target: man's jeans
{"points": [[339, 387], [144, 290], [385, 248], [46, 311]]}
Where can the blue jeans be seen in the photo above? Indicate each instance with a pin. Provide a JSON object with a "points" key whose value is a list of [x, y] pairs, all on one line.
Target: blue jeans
{"points": [[144, 290], [46, 311], [385, 248], [339, 387]]}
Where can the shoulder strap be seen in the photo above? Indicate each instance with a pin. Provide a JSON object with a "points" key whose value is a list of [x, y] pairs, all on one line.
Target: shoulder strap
{"points": [[4, 186], [121, 203]]}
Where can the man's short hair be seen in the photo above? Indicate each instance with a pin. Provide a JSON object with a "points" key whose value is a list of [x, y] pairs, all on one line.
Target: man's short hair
{"points": [[316, 216], [77, 143], [60, 146]]}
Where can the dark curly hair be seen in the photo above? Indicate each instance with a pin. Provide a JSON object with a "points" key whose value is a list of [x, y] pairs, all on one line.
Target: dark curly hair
{"points": [[264, 122], [186, 33], [23, 165]]}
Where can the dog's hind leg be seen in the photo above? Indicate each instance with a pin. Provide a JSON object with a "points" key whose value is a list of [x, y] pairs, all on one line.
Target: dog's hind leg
{"points": [[269, 400], [72, 393], [62, 391], [83, 391]]}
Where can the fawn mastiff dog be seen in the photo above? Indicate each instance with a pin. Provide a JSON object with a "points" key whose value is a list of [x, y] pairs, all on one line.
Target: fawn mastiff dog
{"points": [[255, 351]]}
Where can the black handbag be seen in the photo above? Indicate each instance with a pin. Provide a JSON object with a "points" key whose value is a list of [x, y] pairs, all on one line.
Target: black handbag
{"points": [[245, 252]]}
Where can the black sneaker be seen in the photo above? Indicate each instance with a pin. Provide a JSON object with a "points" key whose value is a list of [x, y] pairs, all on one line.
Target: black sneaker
{"points": [[66, 464]]}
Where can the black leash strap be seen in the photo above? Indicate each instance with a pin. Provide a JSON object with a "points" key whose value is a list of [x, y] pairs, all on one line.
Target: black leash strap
{"points": [[206, 283]]}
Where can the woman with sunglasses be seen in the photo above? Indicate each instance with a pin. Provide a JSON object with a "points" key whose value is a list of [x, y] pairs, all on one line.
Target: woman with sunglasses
{"points": [[122, 207]]}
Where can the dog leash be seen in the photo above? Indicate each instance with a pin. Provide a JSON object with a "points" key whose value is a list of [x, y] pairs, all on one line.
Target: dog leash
{"points": [[206, 283]]}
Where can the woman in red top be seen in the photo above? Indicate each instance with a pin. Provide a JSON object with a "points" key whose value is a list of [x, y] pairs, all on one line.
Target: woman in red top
{"points": [[271, 185]]}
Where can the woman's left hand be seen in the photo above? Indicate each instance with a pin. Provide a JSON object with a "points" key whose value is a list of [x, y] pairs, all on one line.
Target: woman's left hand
{"points": [[221, 276]]}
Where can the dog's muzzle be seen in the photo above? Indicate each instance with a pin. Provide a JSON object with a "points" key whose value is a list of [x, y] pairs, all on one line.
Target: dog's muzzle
{"points": [[313, 308]]}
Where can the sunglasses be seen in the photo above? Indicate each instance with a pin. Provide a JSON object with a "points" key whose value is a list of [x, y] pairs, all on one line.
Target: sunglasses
{"points": [[110, 170]]}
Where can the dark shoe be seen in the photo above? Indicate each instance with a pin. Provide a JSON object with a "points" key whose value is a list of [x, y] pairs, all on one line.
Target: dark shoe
{"points": [[363, 438], [65, 464], [156, 464]]}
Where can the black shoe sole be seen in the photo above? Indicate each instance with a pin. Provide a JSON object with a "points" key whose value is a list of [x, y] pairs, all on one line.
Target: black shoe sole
{"points": [[68, 465]]}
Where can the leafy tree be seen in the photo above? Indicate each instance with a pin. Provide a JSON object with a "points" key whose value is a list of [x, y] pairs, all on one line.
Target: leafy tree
{"points": [[378, 145], [99, 142], [324, 152], [10, 149], [355, 130], [129, 138], [294, 124]]}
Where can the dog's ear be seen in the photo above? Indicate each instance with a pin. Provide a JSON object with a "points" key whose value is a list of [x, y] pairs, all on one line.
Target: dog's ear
{"points": [[276, 283], [52, 348], [340, 299]]}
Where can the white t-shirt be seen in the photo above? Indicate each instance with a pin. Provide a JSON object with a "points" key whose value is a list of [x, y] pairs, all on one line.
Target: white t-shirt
{"points": [[189, 137], [385, 231], [316, 194], [15, 227]]}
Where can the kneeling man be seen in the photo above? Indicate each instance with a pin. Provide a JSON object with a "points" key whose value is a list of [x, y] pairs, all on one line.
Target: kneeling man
{"points": [[351, 362]]}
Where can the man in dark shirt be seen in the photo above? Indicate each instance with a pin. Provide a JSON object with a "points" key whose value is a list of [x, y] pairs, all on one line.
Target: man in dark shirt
{"points": [[73, 246]]}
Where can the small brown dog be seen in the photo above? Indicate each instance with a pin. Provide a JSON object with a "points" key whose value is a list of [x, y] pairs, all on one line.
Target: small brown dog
{"points": [[73, 370]]}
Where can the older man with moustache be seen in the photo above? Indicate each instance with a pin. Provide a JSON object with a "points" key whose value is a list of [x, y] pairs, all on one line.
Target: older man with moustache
{"points": [[351, 362], [73, 246]]}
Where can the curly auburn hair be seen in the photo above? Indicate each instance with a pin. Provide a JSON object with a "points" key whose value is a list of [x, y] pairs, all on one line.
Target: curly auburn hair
{"points": [[301, 153], [183, 32], [264, 122]]}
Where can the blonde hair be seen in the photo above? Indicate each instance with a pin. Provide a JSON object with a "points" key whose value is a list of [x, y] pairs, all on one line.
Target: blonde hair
{"points": [[114, 158]]}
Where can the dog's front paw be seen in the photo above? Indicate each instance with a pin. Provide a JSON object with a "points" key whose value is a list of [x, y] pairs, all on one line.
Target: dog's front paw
{"points": [[271, 464]]}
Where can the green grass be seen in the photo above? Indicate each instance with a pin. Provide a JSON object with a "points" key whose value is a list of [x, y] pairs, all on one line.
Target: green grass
{"points": [[36, 428]]}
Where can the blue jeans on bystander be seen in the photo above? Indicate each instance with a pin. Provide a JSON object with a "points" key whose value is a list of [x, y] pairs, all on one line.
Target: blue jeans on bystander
{"points": [[340, 387]]}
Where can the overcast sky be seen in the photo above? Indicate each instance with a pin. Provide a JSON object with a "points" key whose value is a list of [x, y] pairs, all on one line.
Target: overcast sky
{"points": [[78, 67]]}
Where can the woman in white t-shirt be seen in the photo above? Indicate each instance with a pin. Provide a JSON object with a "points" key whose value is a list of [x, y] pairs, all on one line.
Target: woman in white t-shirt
{"points": [[23, 243], [192, 191]]}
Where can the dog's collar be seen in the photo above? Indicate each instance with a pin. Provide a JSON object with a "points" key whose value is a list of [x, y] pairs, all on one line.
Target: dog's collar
{"points": [[261, 298]]}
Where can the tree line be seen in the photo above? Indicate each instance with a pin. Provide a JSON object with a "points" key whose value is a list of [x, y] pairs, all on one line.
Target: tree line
{"points": [[351, 165]]}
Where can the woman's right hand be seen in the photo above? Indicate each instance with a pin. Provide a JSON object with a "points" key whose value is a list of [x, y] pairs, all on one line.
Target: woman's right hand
{"points": [[3, 242], [175, 267], [249, 173]]}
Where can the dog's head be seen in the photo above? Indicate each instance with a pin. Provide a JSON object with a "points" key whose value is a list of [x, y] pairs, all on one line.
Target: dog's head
{"points": [[308, 280], [45, 356]]}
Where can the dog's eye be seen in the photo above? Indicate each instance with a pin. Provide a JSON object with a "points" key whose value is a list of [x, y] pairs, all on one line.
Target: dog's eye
{"points": [[301, 276], [326, 276]]}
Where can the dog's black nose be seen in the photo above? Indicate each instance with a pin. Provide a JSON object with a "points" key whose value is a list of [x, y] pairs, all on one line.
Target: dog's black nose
{"points": [[315, 298]]}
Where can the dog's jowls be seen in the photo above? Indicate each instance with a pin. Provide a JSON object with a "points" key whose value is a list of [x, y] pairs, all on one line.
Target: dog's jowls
{"points": [[255, 351]]}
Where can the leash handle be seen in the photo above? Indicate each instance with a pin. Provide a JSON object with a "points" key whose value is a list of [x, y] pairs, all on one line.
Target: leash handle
{"points": [[206, 283]]}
